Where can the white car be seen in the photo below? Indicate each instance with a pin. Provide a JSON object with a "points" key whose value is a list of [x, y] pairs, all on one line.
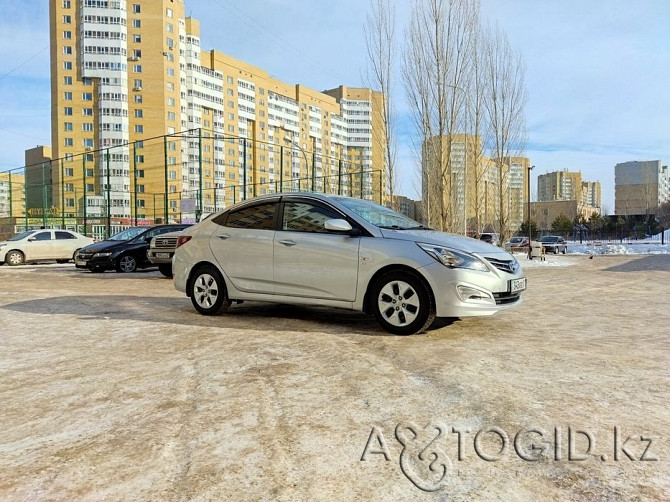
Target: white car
{"points": [[314, 249], [42, 245]]}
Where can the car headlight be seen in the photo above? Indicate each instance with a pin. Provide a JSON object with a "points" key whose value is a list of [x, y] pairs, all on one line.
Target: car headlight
{"points": [[102, 255], [452, 258]]}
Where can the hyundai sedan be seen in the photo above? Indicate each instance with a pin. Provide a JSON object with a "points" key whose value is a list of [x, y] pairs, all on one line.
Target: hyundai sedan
{"points": [[314, 249]]}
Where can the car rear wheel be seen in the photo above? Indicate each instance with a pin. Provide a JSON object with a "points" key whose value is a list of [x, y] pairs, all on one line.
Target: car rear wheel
{"points": [[126, 264], [14, 258], [402, 303], [208, 291], [165, 269]]}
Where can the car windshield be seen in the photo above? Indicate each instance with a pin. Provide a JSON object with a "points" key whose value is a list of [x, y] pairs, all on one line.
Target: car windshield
{"points": [[22, 235], [128, 234], [381, 216], [516, 239], [549, 239]]}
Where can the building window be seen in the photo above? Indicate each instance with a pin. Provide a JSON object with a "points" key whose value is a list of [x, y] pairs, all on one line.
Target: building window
{"points": [[69, 142], [66, 4], [67, 19], [137, 53], [67, 80], [67, 96], [88, 142], [67, 49], [170, 86], [87, 112], [169, 28], [69, 172], [171, 116], [67, 65], [139, 128], [140, 160], [87, 126], [139, 173], [170, 72], [136, 8], [137, 68], [67, 110], [168, 13], [137, 23], [137, 39], [138, 113], [87, 96], [230, 80], [68, 126], [87, 81], [137, 84], [138, 98], [170, 101], [67, 35], [169, 42]]}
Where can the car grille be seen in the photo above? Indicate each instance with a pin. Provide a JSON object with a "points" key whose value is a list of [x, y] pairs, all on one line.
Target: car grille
{"points": [[509, 266], [505, 298], [84, 256], [166, 243]]}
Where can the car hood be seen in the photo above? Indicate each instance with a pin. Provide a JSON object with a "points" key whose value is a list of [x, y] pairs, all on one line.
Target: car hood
{"points": [[449, 240], [103, 246]]}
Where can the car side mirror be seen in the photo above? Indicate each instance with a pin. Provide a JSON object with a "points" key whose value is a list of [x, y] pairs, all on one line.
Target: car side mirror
{"points": [[338, 225]]}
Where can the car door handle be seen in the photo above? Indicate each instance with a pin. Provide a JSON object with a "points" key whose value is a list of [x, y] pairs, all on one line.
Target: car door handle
{"points": [[288, 243], [223, 236]]}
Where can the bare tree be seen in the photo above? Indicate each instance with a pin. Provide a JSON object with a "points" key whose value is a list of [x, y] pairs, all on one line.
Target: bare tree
{"points": [[381, 47], [435, 71], [504, 103]]}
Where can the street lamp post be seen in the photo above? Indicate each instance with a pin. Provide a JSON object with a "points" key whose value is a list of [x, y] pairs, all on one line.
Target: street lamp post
{"points": [[530, 234], [293, 143]]}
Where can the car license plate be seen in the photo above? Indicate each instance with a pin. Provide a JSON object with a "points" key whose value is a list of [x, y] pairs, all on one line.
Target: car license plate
{"points": [[162, 255], [81, 263], [516, 285]]}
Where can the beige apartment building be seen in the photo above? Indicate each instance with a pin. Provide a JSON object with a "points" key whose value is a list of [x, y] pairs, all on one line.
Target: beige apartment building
{"points": [[462, 193], [125, 74], [567, 186], [640, 187], [12, 195]]}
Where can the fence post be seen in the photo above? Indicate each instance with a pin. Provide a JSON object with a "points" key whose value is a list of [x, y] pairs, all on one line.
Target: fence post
{"points": [[10, 194], [200, 173], [62, 192], [83, 177], [339, 177], [165, 161], [44, 197], [109, 198], [244, 168], [135, 178]]}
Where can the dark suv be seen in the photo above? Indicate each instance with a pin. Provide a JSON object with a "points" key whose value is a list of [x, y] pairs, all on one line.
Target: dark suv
{"points": [[123, 252]]}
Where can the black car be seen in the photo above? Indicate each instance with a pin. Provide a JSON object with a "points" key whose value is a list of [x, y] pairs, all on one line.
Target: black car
{"points": [[123, 252]]}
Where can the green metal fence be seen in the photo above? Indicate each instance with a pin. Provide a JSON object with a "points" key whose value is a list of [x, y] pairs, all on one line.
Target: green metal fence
{"points": [[99, 192]]}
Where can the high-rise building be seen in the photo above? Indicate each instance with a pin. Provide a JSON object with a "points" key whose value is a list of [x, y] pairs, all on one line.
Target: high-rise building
{"points": [[559, 185], [125, 73], [461, 192], [12, 195], [640, 187]]}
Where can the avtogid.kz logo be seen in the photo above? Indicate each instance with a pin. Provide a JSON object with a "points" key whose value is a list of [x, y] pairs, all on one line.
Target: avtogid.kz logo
{"points": [[424, 461]]}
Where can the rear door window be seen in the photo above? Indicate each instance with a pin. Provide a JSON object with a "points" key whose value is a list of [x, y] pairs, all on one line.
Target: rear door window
{"points": [[259, 217]]}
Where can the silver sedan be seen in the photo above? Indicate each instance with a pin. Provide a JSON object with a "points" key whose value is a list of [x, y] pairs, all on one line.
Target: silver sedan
{"points": [[314, 249]]}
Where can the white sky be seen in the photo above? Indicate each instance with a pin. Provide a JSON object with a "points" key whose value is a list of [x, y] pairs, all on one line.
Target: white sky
{"points": [[597, 71]]}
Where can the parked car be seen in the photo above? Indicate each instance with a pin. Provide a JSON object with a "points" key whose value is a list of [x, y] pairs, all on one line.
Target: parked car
{"points": [[123, 252], [161, 251], [554, 244], [518, 243], [42, 245], [491, 238], [315, 249]]}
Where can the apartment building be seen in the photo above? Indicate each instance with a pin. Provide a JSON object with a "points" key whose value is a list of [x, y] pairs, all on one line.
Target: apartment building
{"points": [[461, 193], [124, 74], [12, 195], [640, 187]]}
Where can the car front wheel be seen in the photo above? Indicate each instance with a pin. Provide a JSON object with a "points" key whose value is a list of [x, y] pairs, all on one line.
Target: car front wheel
{"points": [[126, 264], [402, 303], [14, 258], [208, 291]]}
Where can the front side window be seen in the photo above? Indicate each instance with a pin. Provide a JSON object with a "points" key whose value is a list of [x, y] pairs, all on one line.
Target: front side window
{"points": [[42, 236], [260, 217], [305, 217]]}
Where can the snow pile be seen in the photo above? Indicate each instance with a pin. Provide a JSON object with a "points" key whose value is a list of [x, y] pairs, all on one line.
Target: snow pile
{"points": [[618, 249]]}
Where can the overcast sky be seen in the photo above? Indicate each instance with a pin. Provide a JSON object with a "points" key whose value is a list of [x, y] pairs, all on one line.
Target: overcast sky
{"points": [[597, 71]]}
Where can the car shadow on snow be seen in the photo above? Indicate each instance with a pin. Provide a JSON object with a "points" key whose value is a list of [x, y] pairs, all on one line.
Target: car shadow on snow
{"points": [[179, 311]]}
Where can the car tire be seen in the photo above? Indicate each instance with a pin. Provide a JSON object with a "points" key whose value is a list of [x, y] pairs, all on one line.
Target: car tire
{"points": [[14, 258], [402, 303], [208, 291], [565, 250], [165, 269], [126, 264]]}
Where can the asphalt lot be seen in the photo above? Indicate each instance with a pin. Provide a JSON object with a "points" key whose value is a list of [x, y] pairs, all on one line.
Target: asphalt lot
{"points": [[112, 387]]}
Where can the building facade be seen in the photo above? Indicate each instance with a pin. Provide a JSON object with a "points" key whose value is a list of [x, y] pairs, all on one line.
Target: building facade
{"points": [[565, 186], [544, 213], [462, 189], [146, 124], [640, 187], [12, 195]]}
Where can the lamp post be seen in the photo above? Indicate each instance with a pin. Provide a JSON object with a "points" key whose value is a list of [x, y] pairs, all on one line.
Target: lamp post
{"points": [[293, 143], [530, 234]]}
